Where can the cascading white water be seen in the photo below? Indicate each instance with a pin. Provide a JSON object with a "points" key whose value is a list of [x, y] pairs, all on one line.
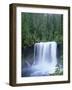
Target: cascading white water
{"points": [[45, 58]]}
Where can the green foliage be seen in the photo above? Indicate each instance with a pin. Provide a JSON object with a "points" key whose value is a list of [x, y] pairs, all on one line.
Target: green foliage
{"points": [[58, 71], [38, 27]]}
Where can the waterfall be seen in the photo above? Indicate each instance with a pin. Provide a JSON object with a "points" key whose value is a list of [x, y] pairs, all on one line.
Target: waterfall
{"points": [[45, 59]]}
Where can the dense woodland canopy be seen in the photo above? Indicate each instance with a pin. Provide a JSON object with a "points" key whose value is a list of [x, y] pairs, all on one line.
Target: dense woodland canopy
{"points": [[37, 27]]}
